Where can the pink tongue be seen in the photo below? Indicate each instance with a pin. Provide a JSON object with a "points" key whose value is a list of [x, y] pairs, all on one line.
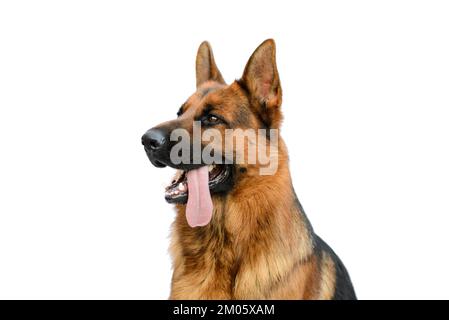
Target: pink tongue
{"points": [[199, 204]]}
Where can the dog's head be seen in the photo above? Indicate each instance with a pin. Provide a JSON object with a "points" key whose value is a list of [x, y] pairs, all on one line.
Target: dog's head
{"points": [[222, 132]]}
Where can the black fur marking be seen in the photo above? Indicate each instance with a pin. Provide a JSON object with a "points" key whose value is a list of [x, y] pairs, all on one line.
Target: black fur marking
{"points": [[181, 110], [208, 109], [343, 285]]}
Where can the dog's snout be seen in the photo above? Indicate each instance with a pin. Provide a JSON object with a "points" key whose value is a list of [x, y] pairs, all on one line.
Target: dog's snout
{"points": [[156, 142], [154, 139]]}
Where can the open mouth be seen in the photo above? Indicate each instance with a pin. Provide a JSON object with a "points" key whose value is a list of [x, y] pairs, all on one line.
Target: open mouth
{"points": [[178, 190]]}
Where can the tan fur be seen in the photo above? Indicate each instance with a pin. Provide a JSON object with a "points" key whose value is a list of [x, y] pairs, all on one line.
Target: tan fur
{"points": [[327, 283], [259, 244], [256, 247]]}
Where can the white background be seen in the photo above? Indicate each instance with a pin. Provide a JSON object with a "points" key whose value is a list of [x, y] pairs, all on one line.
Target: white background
{"points": [[366, 100]]}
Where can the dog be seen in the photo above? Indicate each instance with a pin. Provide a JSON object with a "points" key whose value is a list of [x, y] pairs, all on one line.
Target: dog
{"points": [[240, 234]]}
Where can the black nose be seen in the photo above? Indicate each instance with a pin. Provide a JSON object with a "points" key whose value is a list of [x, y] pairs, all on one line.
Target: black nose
{"points": [[154, 139]]}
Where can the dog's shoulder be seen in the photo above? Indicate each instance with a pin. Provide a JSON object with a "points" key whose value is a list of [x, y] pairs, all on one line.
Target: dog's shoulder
{"points": [[343, 288]]}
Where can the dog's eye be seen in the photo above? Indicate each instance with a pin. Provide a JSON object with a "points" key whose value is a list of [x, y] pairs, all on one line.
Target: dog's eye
{"points": [[211, 119]]}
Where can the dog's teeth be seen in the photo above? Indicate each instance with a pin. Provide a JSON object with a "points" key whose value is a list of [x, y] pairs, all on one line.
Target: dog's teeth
{"points": [[182, 187]]}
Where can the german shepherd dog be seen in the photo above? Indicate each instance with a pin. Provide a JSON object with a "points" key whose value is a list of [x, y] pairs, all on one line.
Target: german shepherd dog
{"points": [[240, 234]]}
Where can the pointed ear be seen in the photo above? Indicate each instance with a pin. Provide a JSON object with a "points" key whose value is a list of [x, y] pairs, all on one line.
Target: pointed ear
{"points": [[206, 68], [261, 79]]}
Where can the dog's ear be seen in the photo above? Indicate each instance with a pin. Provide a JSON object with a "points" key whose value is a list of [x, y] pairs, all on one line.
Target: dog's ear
{"points": [[261, 79], [206, 69]]}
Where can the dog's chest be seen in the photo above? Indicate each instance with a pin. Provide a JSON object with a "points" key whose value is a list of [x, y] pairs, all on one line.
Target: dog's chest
{"points": [[219, 269]]}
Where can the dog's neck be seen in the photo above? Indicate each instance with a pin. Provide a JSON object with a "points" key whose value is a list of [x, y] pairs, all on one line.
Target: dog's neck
{"points": [[268, 203], [230, 250], [265, 203]]}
